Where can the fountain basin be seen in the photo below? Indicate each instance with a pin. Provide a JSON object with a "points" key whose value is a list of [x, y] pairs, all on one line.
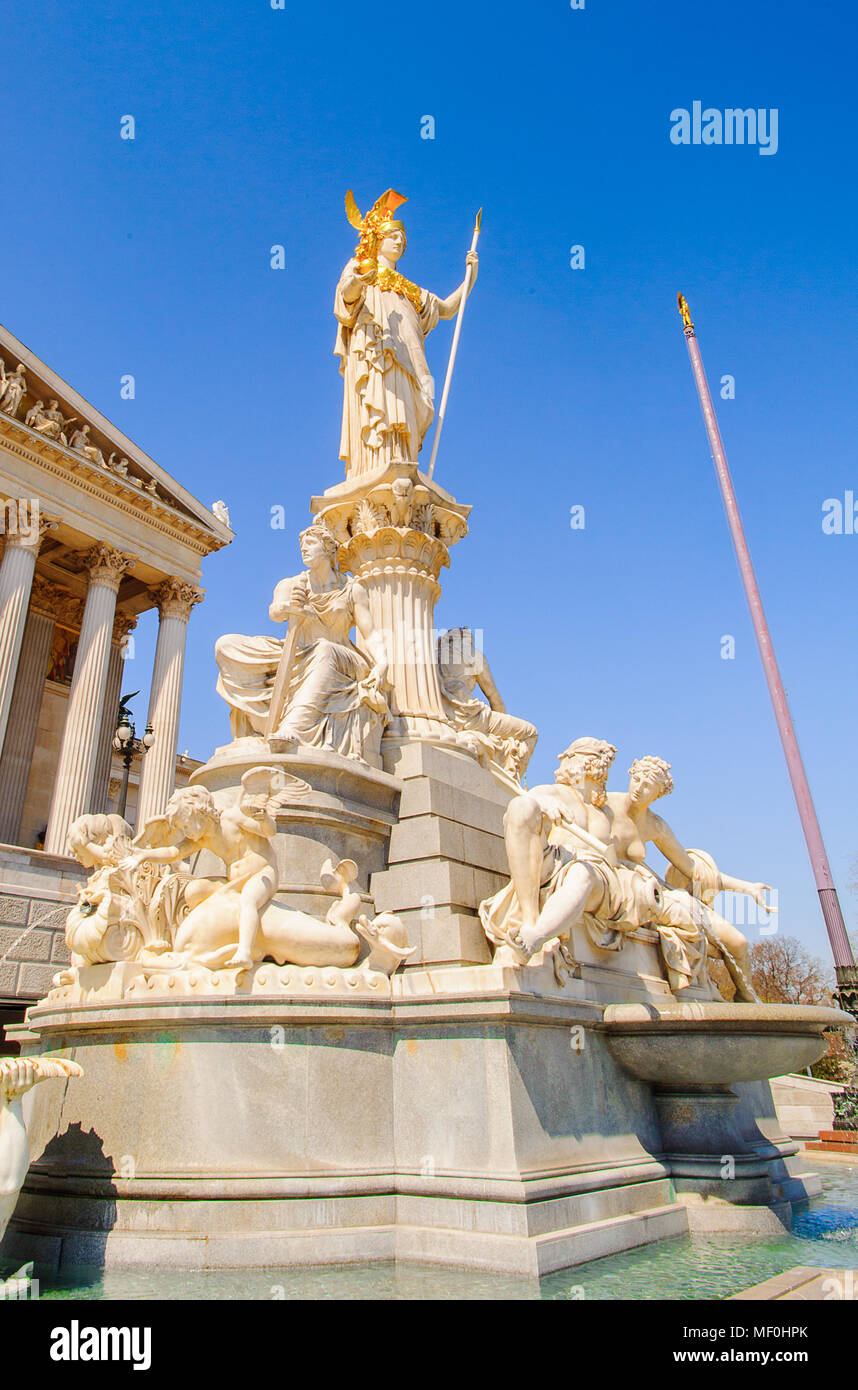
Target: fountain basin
{"points": [[714, 1044]]}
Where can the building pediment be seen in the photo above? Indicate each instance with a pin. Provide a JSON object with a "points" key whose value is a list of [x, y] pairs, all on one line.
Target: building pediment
{"points": [[45, 422]]}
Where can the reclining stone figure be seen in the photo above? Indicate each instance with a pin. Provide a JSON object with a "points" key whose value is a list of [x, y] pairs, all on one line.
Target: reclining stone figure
{"points": [[576, 855]]}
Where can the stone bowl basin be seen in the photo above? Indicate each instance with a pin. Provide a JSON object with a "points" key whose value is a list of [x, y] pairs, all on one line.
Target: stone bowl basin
{"points": [[714, 1044]]}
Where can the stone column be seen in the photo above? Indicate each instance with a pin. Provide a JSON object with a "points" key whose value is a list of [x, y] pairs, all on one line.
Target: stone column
{"points": [[16, 578], [99, 798], [175, 600], [21, 729], [79, 749], [395, 532]]}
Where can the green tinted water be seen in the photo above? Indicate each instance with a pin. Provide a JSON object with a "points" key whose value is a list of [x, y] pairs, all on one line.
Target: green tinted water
{"points": [[688, 1267]]}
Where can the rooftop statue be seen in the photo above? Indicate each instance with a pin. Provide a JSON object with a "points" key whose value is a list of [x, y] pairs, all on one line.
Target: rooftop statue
{"points": [[12, 388], [388, 391]]}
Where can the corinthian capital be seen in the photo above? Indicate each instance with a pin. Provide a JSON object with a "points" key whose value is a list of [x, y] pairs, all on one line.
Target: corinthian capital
{"points": [[123, 623], [175, 598], [25, 524], [55, 602], [105, 565]]}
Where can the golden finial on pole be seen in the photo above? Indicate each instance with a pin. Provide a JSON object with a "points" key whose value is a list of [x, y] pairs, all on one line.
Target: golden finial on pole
{"points": [[684, 311]]}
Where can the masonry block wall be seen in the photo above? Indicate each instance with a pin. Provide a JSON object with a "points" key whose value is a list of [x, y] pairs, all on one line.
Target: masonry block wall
{"points": [[36, 892]]}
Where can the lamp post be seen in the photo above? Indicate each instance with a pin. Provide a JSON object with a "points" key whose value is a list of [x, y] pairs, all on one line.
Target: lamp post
{"points": [[128, 747]]}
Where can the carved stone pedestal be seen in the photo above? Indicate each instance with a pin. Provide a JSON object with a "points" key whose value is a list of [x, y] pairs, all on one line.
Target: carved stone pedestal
{"points": [[395, 530], [479, 1116], [446, 852]]}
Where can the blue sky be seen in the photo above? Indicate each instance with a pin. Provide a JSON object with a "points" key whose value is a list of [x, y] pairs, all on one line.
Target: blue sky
{"points": [[572, 386]]}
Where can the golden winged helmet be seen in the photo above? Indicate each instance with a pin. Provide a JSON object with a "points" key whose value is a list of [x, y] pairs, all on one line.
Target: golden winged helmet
{"points": [[373, 226]]}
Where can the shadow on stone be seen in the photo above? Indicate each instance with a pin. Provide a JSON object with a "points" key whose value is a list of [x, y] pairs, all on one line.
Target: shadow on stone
{"points": [[67, 1207]]}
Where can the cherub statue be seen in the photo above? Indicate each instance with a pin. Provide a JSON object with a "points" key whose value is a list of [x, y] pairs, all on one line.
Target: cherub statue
{"points": [[327, 693], [17, 1076], [240, 835], [12, 389], [119, 914], [388, 391], [237, 923], [504, 739]]}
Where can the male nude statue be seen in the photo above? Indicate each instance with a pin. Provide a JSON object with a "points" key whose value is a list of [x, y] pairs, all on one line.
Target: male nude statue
{"points": [[598, 870]]}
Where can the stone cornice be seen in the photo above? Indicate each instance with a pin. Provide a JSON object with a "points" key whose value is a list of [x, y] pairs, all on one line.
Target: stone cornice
{"points": [[125, 493], [44, 383]]}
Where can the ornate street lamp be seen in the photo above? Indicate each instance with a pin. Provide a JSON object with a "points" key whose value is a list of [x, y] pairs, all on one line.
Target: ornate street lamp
{"points": [[128, 747]]}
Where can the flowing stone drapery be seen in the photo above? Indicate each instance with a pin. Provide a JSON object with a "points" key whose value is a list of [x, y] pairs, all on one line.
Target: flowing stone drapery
{"points": [[16, 578], [101, 778], [79, 750], [175, 600], [17, 757]]}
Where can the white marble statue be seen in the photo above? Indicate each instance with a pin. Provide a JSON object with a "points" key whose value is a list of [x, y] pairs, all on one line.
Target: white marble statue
{"points": [[503, 738], [81, 442], [49, 421], [237, 922], [239, 835], [12, 389], [123, 909], [143, 906], [326, 692], [221, 511], [576, 855], [388, 391], [17, 1076]]}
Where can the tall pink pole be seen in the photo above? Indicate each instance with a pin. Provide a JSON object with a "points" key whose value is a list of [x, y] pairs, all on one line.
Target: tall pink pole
{"points": [[829, 901]]}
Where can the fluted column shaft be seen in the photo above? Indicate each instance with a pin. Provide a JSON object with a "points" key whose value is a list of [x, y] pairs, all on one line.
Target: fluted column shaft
{"points": [[17, 758], [79, 750], [16, 580], [158, 777], [101, 777], [399, 571]]}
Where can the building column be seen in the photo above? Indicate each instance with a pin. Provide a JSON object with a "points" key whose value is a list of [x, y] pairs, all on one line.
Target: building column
{"points": [[79, 750], [175, 600], [24, 711], [100, 796], [16, 579]]}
